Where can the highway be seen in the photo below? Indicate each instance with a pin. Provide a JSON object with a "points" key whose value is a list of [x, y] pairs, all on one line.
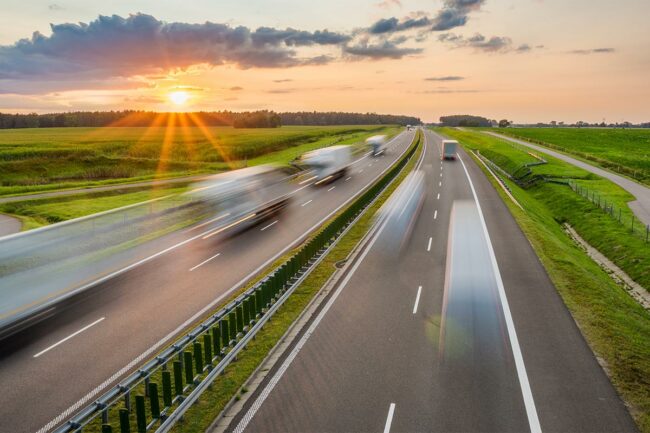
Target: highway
{"points": [[640, 206], [64, 362], [463, 331]]}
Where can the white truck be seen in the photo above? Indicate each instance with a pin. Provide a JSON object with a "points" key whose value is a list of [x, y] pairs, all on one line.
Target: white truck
{"points": [[246, 196], [449, 149], [377, 144], [328, 163]]}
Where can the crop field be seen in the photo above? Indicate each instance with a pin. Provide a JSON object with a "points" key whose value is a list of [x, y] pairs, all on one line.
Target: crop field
{"points": [[623, 150], [54, 158]]}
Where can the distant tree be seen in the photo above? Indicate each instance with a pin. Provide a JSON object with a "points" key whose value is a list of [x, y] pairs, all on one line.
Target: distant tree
{"points": [[464, 120], [553, 123], [504, 123]]}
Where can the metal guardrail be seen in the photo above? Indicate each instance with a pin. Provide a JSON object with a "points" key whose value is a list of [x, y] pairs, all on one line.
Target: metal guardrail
{"points": [[200, 355]]}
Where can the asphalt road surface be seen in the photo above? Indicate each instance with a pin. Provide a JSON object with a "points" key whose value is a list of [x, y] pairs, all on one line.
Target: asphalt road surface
{"points": [[462, 331], [9, 225], [68, 360], [640, 206]]}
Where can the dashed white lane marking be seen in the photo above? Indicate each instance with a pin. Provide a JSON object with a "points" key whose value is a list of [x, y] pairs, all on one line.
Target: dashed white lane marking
{"points": [[389, 419], [270, 225], [439, 183], [361, 171], [348, 178], [205, 261], [440, 174], [306, 203], [438, 198], [429, 245], [417, 300], [435, 214], [331, 189], [68, 337]]}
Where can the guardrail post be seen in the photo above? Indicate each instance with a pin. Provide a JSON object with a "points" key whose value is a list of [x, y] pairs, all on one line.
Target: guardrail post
{"points": [[239, 312], [106, 428], [259, 303], [187, 363], [232, 319], [198, 357], [125, 425], [247, 312], [140, 415], [154, 402], [127, 400], [178, 378], [216, 340], [225, 334], [207, 344], [167, 388]]}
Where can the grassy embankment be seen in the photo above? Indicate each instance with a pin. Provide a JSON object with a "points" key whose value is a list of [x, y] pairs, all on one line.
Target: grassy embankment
{"points": [[616, 327], [38, 212], [626, 151], [33, 160]]}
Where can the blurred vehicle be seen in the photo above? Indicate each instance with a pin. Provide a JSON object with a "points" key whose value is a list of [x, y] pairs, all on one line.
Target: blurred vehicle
{"points": [[377, 144], [400, 212], [328, 163], [246, 196], [409, 127], [449, 149]]}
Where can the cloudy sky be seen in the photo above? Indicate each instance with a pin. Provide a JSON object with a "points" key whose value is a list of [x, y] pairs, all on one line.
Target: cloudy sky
{"points": [[526, 60]]}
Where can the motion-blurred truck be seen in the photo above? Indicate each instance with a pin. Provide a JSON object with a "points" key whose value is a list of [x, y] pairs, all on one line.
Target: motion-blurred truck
{"points": [[377, 144], [328, 163], [449, 149], [244, 197]]}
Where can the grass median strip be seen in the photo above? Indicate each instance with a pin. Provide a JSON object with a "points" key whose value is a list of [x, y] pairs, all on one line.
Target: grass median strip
{"points": [[616, 327]]}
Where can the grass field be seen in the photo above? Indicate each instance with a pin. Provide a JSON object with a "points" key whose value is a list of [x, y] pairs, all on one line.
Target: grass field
{"points": [[55, 158], [616, 326], [626, 151]]}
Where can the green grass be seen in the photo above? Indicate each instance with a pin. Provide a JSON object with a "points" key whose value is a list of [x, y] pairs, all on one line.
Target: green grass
{"points": [[54, 158], [626, 151], [616, 327]]}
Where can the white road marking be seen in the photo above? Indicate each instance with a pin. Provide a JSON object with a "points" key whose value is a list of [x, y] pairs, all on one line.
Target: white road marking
{"points": [[429, 246], [527, 394], [361, 171], [331, 188], [435, 214], [208, 222], [348, 178], [221, 229], [369, 165], [205, 261], [270, 225], [307, 180], [440, 174], [69, 337], [417, 300], [306, 203], [439, 183], [438, 198], [389, 420], [325, 179], [303, 340]]}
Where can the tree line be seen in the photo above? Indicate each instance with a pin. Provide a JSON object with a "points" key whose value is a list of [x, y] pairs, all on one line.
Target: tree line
{"points": [[247, 119]]}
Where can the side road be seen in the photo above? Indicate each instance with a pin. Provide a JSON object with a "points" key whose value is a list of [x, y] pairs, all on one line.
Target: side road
{"points": [[640, 206]]}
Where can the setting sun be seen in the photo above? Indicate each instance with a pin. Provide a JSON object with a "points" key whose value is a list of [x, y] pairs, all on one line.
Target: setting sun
{"points": [[179, 97]]}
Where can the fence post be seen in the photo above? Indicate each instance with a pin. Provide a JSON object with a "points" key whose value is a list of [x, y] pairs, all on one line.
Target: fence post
{"points": [[106, 428], [153, 400], [216, 340], [232, 318], [187, 363], [178, 378], [167, 388], [225, 340], [125, 425], [140, 415], [198, 357], [207, 343]]}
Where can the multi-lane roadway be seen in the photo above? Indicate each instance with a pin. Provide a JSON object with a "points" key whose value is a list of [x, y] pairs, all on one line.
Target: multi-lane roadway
{"points": [[67, 361], [463, 331]]}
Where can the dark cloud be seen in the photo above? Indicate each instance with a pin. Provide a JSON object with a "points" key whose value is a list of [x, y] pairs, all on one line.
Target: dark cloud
{"points": [[594, 51], [445, 78], [387, 4], [523, 48], [382, 50], [281, 91], [283, 80], [236, 88], [446, 91], [481, 43], [112, 46], [391, 25]]}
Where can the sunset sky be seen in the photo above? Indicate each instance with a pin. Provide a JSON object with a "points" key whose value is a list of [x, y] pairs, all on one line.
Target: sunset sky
{"points": [[525, 60]]}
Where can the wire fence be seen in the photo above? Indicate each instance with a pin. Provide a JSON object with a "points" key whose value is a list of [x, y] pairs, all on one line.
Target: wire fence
{"points": [[630, 222]]}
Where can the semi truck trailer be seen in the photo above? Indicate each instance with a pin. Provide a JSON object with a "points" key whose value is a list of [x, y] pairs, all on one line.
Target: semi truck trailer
{"points": [[449, 149], [328, 163]]}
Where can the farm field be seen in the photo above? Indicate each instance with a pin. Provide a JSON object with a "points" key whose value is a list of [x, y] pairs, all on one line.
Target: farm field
{"points": [[626, 151], [33, 160]]}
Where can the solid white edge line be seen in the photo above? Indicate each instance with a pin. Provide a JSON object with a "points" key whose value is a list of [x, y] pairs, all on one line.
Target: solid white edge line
{"points": [[429, 246], [205, 261], [389, 419], [306, 203], [417, 300], [83, 400], [527, 394], [257, 404], [270, 225], [74, 334]]}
